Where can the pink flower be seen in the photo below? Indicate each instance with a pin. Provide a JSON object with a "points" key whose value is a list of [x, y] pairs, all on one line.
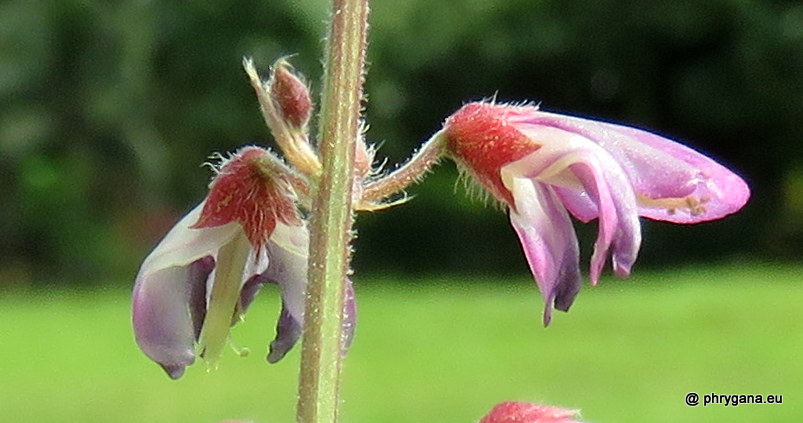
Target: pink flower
{"points": [[546, 166], [524, 412], [204, 274]]}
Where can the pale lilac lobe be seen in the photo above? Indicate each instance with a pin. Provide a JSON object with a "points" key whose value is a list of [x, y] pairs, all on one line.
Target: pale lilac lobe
{"points": [[549, 243], [288, 331], [169, 294], [545, 166]]}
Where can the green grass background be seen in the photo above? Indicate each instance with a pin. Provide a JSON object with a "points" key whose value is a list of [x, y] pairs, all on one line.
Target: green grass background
{"points": [[439, 350]]}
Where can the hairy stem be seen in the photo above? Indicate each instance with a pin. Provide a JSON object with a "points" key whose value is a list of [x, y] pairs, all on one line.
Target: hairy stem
{"points": [[409, 173], [332, 216]]}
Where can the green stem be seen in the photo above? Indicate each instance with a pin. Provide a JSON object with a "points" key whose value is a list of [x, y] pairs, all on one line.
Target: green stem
{"points": [[330, 229]]}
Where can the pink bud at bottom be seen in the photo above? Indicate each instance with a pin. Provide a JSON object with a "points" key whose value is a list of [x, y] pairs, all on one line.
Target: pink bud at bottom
{"points": [[524, 412]]}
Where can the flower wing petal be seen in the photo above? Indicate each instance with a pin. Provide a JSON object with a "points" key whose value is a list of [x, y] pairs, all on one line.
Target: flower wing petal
{"points": [[548, 240], [688, 186], [583, 172], [165, 313], [288, 330], [288, 252]]}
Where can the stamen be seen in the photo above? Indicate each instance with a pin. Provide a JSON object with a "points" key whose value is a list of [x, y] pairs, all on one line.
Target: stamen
{"points": [[241, 352], [695, 206]]}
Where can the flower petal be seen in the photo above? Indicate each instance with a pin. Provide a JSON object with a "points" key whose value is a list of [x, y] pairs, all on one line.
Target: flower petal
{"points": [[619, 225], [288, 252], [165, 313], [548, 240], [349, 315], [288, 330], [583, 172], [198, 295], [183, 245], [170, 291], [674, 182]]}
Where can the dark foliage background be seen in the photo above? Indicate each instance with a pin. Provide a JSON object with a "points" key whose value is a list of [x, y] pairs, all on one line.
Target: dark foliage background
{"points": [[107, 111]]}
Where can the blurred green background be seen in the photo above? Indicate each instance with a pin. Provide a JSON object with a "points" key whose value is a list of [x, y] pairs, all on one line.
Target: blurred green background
{"points": [[108, 110]]}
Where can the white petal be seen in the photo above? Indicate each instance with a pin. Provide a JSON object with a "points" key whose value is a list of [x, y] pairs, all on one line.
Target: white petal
{"points": [[183, 245], [288, 252]]}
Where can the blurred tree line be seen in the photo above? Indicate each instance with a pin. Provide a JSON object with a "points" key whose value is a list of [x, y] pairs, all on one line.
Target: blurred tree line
{"points": [[108, 109]]}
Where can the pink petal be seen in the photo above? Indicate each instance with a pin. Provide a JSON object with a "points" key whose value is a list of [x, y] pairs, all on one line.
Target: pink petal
{"points": [[584, 173], [659, 168], [548, 240], [619, 225]]}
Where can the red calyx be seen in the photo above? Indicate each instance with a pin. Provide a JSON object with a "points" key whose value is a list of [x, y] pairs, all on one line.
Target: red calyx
{"points": [[481, 138], [247, 192]]}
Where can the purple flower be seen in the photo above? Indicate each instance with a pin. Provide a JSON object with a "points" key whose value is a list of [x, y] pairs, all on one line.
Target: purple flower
{"points": [[203, 275], [546, 166]]}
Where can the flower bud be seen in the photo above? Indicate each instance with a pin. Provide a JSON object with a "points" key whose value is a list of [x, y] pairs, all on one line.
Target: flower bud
{"points": [[290, 94], [524, 412]]}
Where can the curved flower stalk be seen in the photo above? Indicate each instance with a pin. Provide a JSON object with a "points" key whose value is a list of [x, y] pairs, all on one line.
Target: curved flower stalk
{"points": [[545, 167], [204, 274]]}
